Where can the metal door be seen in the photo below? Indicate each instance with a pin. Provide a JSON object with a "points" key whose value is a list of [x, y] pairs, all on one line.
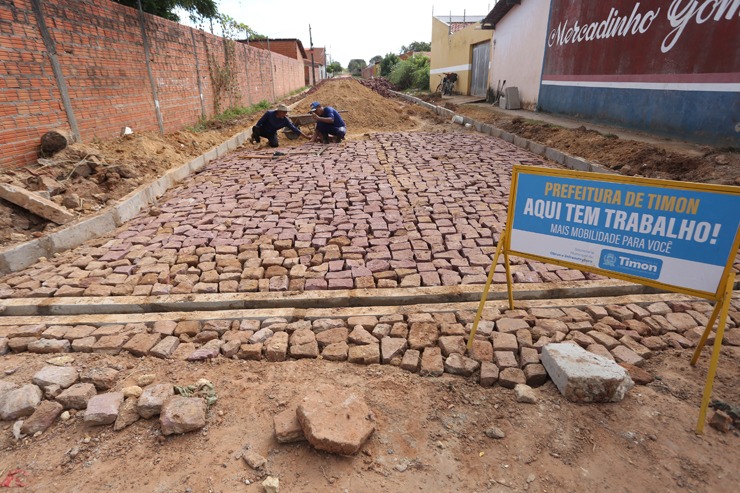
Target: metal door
{"points": [[481, 59]]}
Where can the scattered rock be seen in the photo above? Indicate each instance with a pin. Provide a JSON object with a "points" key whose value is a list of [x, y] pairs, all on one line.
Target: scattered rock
{"points": [[525, 394], [254, 460], [64, 376], [19, 402], [153, 398], [335, 421], [271, 485], [42, 418], [495, 433], [77, 396], [132, 391], [127, 415], [145, 380], [287, 427], [182, 414], [102, 378]]}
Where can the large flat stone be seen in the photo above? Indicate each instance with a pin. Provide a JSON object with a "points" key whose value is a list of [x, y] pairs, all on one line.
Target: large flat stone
{"points": [[64, 376], [19, 402], [182, 414], [153, 398], [103, 408], [77, 396], [335, 420], [42, 418], [582, 376]]}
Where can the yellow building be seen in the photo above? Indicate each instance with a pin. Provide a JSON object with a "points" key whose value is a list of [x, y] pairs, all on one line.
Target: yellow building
{"points": [[460, 46]]}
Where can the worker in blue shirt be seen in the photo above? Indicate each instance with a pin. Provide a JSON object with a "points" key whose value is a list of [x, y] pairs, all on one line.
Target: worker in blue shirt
{"points": [[328, 123], [270, 123]]}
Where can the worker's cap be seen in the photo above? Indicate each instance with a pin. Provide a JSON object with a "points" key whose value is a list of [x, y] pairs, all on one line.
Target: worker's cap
{"points": [[282, 107], [315, 105]]}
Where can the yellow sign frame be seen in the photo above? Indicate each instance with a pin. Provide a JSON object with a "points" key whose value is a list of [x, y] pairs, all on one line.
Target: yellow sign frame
{"points": [[721, 297]]}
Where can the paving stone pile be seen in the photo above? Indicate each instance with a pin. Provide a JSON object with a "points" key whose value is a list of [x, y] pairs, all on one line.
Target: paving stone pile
{"points": [[401, 210], [60, 390], [506, 349]]}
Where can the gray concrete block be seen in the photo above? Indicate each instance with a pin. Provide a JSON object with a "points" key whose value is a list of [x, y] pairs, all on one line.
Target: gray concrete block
{"points": [[197, 163], [210, 155], [537, 148], [554, 155], [600, 168], [129, 207], [79, 233], [585, 377], [23, 255], [222, 149], [521, 142], [577, 163], [506, 136]]}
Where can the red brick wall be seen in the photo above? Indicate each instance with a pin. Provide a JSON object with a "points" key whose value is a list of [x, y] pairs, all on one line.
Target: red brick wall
{"points": [[288, 48], [101, 53]]}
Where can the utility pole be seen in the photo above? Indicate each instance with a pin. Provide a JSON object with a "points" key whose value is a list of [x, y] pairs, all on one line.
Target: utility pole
{"points": [[313, 70]]}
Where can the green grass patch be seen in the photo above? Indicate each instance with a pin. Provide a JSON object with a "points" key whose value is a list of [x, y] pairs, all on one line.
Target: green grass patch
{"points": [[229, 116]]}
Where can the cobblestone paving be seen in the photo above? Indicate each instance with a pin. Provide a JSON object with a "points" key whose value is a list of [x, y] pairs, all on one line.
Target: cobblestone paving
{"points": [[506, 348], [400, 210]]}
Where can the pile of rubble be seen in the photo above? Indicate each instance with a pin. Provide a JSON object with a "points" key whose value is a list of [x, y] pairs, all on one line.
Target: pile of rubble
{"points": [[380, 85], [60, 390]]}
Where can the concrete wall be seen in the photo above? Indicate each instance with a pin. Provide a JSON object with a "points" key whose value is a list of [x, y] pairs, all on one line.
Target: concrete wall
{"points": [[669, 67], [453, 53], [99, 52], [518, 49]]}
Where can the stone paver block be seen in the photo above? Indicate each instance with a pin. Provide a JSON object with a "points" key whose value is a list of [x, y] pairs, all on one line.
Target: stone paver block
{"points": [[452, 344], [250, 352], [535, 375], [165, 348], [432, 363], [365, 354], [585, 377], [276, 347], [19, 402], [182, 414], [411, 360], [422, 335], [360, 336], [141, 344], [392, 350], [110, 344], [511, 325], [83, 345], [505, 341], [77, 396], [49, 346], [481, 351], [336, 351], [505, 359], [332, 336], [623, 354], [457, 364], [489, 374], [42, 418], [510, 377], [102, 378], [153, 398], [103, 409], [63, 376], [335, 421]]}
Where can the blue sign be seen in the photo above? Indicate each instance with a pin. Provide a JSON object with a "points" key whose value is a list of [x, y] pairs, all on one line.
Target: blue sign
{"points": [[674, 233]]}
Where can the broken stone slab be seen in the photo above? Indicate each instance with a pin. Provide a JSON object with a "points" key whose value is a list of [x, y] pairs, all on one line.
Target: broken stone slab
{"points": [[287, 427], [182, 414], [19, 402], [525, 394], [42, 418], [165, 348], [582, 376], [392, 349], [102, 378], [35, 203], [127, 415], [64, 376], [103, 408], [457, 364], [335, 420], [153, 398]]}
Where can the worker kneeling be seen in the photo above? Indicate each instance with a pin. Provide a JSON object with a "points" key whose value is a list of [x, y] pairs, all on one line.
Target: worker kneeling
{"points": [[270, 123], [329, 125]]}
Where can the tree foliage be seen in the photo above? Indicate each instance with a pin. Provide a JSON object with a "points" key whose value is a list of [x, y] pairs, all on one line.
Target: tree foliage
{"points": [[387, 64], [166, 8], [334, 68], [417, 46], [356, 65], [375, 60], [412, 73]]}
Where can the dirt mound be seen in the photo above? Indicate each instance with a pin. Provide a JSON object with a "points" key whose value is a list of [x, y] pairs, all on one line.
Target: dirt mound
{"points": [[380, 85], [363, 109]]}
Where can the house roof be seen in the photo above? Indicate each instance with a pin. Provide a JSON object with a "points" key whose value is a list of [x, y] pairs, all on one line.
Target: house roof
{"points": [[264, 42], [498, 12]]}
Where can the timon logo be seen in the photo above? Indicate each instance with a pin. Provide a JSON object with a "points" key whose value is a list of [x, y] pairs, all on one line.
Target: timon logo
{"points": [[630, 263]]}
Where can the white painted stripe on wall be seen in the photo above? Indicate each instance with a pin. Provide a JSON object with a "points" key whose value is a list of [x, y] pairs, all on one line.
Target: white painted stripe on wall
{"points": [[654, 86], [456, 68]]}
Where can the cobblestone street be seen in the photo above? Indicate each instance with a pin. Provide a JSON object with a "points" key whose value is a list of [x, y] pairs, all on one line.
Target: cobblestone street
{"points": [[398, 210]]}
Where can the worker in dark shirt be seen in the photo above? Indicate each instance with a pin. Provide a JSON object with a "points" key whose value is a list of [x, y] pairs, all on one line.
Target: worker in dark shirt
{"points": [[328, 123], [270, 123]]}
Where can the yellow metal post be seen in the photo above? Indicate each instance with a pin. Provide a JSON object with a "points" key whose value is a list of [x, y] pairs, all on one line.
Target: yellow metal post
{"points": [[715, 353], [509, 283], [705, 335], [489, 280]]}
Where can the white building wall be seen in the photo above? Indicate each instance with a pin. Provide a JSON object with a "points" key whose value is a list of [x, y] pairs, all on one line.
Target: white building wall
{"points": [[519, 48]]}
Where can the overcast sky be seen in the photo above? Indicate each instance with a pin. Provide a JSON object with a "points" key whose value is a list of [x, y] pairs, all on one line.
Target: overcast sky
{"points": [[348, 29]]}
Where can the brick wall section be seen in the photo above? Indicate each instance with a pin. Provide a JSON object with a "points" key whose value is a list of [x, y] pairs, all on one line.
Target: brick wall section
{"points": [[101, 53], [287, 47], [29, 98]]}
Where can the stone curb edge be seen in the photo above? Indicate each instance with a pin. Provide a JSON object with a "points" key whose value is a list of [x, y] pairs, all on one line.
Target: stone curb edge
{"points": [[572, 162], [21, 256]]}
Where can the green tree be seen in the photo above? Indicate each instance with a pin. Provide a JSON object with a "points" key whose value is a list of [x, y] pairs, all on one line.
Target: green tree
{"points": [[417, 46], [412, 73], [165, 8], [356, 65], [375, 60], [334, 68], [387, 64]]}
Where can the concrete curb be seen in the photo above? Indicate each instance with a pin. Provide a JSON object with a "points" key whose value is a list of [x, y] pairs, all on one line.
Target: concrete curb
{"points": [[292, 314], [21, 256], [313, 299], [572, 162]]}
